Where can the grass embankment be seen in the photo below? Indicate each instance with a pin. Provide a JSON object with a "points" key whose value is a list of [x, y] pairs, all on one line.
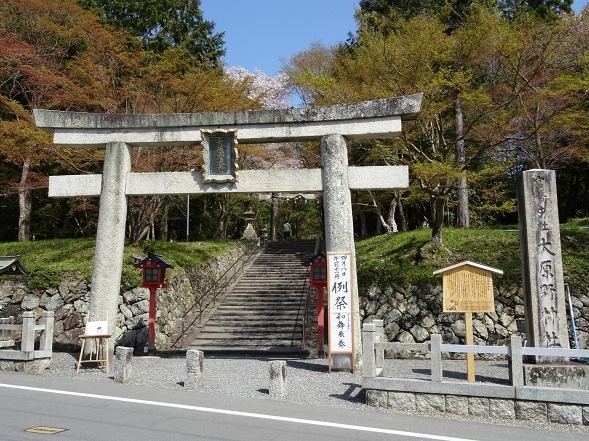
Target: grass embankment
{"points": [[407, 258], [49, 260], [403, 258]]}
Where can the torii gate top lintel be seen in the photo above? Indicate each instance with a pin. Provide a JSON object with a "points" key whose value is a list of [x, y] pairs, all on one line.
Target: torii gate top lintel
{"points": [[367, 119]]}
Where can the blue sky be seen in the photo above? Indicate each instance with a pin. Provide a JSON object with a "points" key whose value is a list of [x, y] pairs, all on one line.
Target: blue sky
{"points": [[259, 33]]}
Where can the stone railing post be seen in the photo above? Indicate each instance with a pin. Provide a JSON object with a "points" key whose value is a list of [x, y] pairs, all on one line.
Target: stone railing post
{"points": [[277, 388], [194, 368], [46, 338], [28, 332], [122, 367], [379, 338], [368, 339], [436, 356], [516, 364], [6, 334]]}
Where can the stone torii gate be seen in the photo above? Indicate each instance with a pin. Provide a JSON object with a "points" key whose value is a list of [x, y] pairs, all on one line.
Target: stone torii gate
{"points": [[120, 133]]}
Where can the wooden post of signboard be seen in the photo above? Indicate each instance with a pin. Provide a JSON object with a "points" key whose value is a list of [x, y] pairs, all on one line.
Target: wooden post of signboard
{"points": [[468, 288], [469, 341]]}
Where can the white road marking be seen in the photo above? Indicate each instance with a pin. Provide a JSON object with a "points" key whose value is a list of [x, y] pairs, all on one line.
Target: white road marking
{"points": [[424, 436]]}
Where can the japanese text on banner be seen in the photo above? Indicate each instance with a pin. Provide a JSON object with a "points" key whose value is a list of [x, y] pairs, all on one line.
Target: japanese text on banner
{"points": [[340, 302]]}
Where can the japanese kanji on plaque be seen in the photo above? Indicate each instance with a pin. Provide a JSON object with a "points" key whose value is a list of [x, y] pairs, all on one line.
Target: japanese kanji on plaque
{"points": [[339, 285], [220, 155]]}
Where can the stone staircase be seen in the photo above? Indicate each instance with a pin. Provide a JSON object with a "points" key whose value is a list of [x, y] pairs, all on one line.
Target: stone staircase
{"points": [[264, 312]]}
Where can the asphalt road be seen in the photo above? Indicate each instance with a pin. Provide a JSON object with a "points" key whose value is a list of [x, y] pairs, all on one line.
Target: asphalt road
{"points": [[92, 411]]}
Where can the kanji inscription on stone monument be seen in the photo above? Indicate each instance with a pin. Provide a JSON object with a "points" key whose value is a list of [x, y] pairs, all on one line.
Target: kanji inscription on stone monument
{"points": [[546, 322]]}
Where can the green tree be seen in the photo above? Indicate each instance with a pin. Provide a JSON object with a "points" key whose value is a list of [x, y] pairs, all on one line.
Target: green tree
{"points": [[416, 56], [41, 44], [544, 9], [382, 15], [378, 13], [495, 91], [164, 24]]}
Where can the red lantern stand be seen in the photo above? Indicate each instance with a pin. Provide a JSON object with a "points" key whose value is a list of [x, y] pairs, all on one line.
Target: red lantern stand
{"points": [[318, 280], [154, 273]]}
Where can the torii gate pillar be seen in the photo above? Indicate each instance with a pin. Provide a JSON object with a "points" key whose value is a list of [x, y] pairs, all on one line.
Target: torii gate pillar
{"points": [[110, 235], [339, 224]]}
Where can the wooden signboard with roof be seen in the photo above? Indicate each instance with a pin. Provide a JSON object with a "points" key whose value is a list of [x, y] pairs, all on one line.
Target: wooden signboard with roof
{"points": [[468, 288]]}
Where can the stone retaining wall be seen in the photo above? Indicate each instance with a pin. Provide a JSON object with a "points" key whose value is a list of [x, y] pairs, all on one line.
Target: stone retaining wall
{"points": [[70, 303], [412, 314], [496, 408]]}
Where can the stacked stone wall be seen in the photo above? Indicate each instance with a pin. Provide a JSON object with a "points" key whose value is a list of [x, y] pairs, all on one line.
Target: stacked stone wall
{"points": [[411, 314], [70, 303], [494, 408]]}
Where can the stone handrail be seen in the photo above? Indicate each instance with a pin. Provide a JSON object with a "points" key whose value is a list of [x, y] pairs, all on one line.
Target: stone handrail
{"points": [[374, 347], [28, 329]]}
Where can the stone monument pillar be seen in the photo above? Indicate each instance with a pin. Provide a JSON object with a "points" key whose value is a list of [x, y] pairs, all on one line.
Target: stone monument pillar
{"points": [[110, 236], [339, 226], [545, 301], [274, 218]]}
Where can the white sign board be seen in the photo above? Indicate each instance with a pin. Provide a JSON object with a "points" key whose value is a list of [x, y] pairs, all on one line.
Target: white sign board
{"points": [[339, 285], [97, 328]]}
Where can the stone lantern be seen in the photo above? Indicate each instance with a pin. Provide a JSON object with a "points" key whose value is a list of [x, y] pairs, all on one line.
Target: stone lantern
{"points": [[250, 232]]}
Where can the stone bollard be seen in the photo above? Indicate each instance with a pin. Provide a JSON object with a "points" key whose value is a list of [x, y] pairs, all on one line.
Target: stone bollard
{"points": [[277, 379], [194, 368], [122, 367]]}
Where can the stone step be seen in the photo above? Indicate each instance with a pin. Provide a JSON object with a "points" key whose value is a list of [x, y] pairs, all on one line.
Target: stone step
{"points": [[231, 342], [286, 275], [290, 350], [253, 323], [262, 303], [294, 286], [253, 327], [256, 315], [275, 270], [271, 263], [256, 300], [262, 285], [260, 335], [267, 296], [276, 290]]}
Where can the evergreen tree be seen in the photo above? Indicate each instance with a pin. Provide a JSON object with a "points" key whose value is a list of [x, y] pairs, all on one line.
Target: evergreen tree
{"points": [[164, 24], [377, 13]]}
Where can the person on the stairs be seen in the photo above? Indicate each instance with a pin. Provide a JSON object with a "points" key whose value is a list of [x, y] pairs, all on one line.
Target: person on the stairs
{"points": [[286, 230]]}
